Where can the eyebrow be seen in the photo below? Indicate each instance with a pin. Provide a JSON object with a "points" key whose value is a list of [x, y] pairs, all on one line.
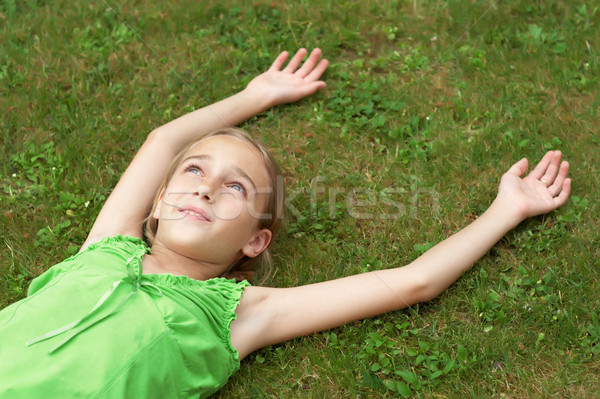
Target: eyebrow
{"points": [[236, 169]]}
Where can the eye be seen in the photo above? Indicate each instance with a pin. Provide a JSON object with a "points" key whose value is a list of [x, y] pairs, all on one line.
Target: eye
{"points": [[238, 187], [195, 169]]}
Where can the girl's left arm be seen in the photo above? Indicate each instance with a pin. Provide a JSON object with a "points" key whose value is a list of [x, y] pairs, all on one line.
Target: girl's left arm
{"points": [[128, 205], [270, 315]]}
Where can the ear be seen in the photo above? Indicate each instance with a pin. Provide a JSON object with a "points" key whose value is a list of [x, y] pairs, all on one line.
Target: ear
{"points": [[156, 214], [258, 243]]}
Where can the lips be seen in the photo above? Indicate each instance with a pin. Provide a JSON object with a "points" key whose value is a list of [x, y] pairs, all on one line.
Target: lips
{"points": [[194, 213]]}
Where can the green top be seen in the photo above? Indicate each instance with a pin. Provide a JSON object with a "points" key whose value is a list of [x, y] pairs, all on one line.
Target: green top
{"points": [[94, 326]]}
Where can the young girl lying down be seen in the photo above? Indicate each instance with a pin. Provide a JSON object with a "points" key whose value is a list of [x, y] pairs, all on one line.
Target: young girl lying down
{"points": [[126, 319]]}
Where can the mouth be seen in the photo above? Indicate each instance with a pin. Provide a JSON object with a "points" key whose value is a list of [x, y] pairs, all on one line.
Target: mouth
{"points": [[195, 213]]}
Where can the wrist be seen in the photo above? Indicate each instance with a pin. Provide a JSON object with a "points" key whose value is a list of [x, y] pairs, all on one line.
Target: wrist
{"points": [[261, 99], [506, 213]]}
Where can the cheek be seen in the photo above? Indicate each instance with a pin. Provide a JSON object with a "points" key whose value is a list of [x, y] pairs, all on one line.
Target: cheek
{"points": [[166, 208], [228, 206], [156, 214], [174, 193], [158, 208]]}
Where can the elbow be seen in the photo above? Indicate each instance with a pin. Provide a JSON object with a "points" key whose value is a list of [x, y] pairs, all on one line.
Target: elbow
{"points": [[430, 286], [428, 283], [409, 291], [424, 288], [159, 138], [154, 135], [413, 285]]}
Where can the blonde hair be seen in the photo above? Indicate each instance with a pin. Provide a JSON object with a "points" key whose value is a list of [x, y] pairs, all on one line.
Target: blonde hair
{"points": [[271, 218]]}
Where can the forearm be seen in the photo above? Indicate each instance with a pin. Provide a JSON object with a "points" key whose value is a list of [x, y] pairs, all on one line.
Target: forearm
{"points": [[233, 110], [276, 86], [443, 264]]}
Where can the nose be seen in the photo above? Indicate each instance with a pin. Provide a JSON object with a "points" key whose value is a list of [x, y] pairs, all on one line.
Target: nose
{"points": [[206, 191]]}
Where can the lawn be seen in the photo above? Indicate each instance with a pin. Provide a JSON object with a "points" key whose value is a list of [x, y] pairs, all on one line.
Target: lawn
{"points": [[427, 104]]}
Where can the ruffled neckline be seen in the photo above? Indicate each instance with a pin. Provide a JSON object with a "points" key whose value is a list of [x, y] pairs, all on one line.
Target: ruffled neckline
{"points": [[140, 249]]}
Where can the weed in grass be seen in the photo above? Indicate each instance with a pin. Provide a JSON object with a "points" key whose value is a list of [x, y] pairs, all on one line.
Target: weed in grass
{"points": [[103, 37], [490, 310], [416, 139], [475, 57], [364, 107], [415, 60], [535, 39], [584, 17], [321, 221], [543, 236], [591, 336], [40, 165], [409, 362], [10, 75]]}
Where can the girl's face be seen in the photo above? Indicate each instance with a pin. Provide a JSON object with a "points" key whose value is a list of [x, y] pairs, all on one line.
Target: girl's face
{"points": [[209, 210]]}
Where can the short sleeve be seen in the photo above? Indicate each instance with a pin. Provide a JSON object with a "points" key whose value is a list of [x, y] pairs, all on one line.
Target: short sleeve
{"points": [[49, 277], [98, 253]]}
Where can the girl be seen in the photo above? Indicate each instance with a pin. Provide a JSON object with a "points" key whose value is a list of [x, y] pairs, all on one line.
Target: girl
{"points": [[122, 320]]}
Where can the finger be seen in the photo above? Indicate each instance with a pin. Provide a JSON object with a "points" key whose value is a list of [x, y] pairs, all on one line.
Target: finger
{"points": [[309, 89], [552, 169], [541, 167], [278, 63], [295, 61], [310, 63], [318, 71], [519, 168], [557, 186], [564, 194]]}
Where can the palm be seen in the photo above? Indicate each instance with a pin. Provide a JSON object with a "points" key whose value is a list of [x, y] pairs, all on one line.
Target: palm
{"points": [[543, 190], [293, 82]]}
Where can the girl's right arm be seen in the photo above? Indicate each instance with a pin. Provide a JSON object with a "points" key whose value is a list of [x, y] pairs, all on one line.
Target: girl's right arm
{"points": [[128, 205]]}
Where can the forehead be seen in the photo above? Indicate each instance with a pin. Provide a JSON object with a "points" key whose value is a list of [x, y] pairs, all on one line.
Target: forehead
{"points": [[233, 152]]}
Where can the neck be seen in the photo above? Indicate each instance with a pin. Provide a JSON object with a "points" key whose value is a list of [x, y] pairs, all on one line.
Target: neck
{"points": [[163, 260]]}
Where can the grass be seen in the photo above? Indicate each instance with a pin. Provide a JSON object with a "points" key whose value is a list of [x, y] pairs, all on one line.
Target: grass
{"points": [[427, 103]]}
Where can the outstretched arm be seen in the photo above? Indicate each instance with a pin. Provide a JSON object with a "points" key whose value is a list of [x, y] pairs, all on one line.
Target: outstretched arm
{"points": [[543, 190], [271, 315], [130, 201], [276, 86]]}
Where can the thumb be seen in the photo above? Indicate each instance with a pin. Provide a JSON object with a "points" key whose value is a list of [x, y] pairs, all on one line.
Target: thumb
{"points": [[519, 168]]}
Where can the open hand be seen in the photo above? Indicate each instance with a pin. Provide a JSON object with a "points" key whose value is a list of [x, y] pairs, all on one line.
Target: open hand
{"points": [[544, 189], [293, 82]]}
